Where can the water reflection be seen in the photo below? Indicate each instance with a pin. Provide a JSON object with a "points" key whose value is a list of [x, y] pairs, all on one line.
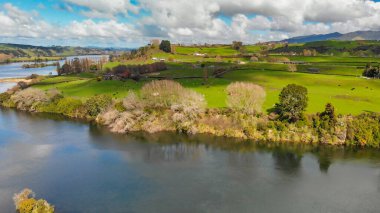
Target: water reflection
{"points": [[84, 168], [287, 161]]}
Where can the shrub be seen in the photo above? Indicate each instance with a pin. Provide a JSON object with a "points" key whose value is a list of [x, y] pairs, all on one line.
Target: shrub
{"points": [[29, 98], [165, 93], [187, 111], [26, 203], [68, 106], [97, 104], [292, 103], [292, 68], [245, 97], [132, 102], [119, 106], [364, 130], [54, 94], [161, 94], [4, 97]]}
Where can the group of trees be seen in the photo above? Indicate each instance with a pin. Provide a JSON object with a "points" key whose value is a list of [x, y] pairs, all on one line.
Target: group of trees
{"points": [[372, 71], [79, 65], [134, 71], [249, 98]]}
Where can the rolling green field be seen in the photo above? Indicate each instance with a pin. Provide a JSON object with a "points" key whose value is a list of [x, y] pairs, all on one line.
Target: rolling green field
{"points": [[222, 51], [348, 94], [338, 79]]}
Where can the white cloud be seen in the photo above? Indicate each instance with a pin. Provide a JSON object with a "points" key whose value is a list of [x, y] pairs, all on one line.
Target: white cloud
{"points": [[279, 19], [105, 8], [20, 24], [196, 21]]}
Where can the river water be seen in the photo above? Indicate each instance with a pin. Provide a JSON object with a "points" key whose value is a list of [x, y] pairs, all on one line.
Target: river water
{"points": [[80, 167], [15, 70]]}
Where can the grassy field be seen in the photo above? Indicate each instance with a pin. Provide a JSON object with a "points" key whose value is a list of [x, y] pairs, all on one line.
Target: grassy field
{"points": [[338, 80], [348, 94], [213, 51]]}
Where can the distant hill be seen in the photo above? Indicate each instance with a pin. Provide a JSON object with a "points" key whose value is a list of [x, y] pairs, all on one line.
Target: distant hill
{"points": [[21, 50], [311, 38], [358, 35], [333, 47]]}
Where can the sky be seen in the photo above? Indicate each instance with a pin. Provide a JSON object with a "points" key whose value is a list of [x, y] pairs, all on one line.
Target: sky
{"points": [[133, 23]]}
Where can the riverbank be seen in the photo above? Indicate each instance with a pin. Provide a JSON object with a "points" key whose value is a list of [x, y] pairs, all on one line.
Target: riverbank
{"points": [[167, 106], [15, 80]]}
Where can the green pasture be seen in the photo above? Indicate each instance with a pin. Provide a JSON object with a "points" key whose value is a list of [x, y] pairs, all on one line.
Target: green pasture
{"points": [[338, 79], [349, 94], [213, 51]]}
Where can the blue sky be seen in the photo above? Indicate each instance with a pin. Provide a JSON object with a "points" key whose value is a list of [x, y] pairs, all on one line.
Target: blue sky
{"points": [[131, 23]]}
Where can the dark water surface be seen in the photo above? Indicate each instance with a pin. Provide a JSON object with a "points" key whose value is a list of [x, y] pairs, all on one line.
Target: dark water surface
{"points": [[81, 168]]}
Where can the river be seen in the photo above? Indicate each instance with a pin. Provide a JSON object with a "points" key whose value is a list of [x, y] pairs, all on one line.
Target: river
{"points": [[15, 70], [80, 167]]}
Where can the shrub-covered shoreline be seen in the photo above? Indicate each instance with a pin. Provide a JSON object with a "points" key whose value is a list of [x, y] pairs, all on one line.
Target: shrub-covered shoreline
{"points": [[167, 106]]}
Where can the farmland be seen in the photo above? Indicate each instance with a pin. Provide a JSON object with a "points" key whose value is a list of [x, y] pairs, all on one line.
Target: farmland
{"points": [[338, 79]]}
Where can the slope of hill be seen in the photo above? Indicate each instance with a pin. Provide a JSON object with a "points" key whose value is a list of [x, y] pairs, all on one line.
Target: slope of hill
{"points": [[334, 47], [20, 50], [311, 38], [361, 35], [358, 35]]}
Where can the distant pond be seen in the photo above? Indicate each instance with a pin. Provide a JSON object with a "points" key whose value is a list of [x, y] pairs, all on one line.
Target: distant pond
{"points": [[80, 167]]}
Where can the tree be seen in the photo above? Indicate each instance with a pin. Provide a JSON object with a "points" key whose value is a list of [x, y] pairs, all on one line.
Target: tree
{"points": [[58, 68], [237, 45], [371, 72], [205, 73], [66, 69], [292, 103], [328, 117], [165, 46]]}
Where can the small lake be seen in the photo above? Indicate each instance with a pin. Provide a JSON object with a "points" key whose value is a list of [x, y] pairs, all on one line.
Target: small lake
{"points": [[80, 167]]}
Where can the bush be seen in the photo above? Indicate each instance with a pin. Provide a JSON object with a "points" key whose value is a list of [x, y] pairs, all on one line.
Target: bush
{"points": [[119, 106], [245, 97], [293, 103], [364, 130], [132, 102], [54, 95], [68, 106], [29, 99], [4, 97], [165, 93], [161, 94], [26, 203], [292, 68], [97, 104]]}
